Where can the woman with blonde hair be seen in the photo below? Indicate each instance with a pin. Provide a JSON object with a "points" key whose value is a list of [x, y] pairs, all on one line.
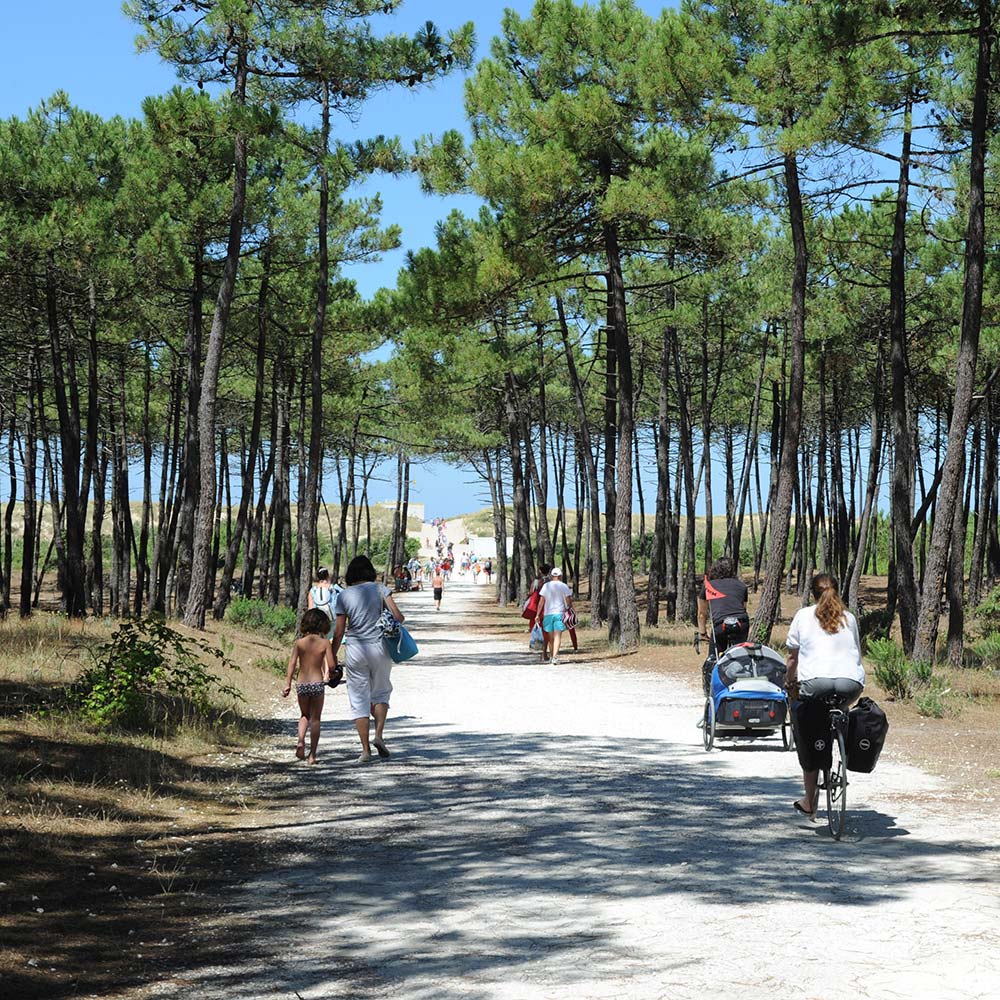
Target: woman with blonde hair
{"points": [[824, 658]]}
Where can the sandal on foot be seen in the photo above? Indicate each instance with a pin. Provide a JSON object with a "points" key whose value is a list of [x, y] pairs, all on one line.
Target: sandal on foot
{"points": [[805, 812]]}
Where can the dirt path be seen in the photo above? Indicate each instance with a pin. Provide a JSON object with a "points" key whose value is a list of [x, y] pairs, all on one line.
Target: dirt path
{"points": [[553, 833]]}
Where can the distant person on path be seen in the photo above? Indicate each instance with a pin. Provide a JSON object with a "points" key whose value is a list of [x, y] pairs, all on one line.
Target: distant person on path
{"points": [[437, 582], [824, 658], [488, 570], [313, 658], [554, 600], [531, 605], [359, 613], [322, 594]]}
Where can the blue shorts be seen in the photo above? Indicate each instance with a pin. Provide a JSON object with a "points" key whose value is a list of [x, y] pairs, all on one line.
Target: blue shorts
{"points": [[553, 623]]}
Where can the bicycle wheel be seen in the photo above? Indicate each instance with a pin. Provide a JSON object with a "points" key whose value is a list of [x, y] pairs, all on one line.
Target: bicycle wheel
{"points": [[836, 786], [787, 735], [708, 729]]}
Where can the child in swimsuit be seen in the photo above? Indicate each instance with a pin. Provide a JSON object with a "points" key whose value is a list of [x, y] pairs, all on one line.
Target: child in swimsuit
{"points": [[313, 656]]}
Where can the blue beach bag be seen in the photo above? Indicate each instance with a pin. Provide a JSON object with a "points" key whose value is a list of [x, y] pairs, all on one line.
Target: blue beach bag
{"points": [[402, 647]]}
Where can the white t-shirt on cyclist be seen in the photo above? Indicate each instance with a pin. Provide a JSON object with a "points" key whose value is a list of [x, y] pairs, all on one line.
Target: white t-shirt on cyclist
{"points": [[822, 654], [554, 593]]}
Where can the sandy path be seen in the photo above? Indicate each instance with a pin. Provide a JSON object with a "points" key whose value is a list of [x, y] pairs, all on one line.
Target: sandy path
{"points": [[567, 837]]}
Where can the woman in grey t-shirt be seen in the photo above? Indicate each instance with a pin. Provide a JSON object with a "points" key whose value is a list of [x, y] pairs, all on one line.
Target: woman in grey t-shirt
{"points": [[358, 613]]}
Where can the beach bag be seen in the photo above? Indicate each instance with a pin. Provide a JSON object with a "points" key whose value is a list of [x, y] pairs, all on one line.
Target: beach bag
{"points": [[867, 727], [531, 606], [569, 618], [402, 647], [390, 626], [536, 643]]}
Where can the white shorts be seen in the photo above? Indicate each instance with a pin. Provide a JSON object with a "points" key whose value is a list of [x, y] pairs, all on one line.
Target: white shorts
{"points": [[367, 675]]}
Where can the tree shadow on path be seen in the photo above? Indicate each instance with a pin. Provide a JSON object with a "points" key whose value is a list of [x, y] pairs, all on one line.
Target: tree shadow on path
{"points": [[477, 853]]}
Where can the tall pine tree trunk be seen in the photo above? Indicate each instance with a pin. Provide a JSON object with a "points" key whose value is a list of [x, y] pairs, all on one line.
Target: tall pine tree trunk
{"points": [[780, 520], [627, 607], [194, 611], [308, 504], [949, 492], [594, 544], [904, 570]]}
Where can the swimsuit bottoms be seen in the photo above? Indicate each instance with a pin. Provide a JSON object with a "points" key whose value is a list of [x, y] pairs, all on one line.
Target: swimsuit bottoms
{"points": [[310, 690]]}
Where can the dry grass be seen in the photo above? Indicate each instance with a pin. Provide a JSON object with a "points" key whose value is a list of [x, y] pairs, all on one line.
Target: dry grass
{"points": [[115, 845]]}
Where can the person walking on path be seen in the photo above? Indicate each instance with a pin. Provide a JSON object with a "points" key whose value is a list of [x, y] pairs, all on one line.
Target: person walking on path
{"points": [[531, 605], [313, 658], [322, 596], [824, 658], [437, 582], [554, 600], [368, 666]]}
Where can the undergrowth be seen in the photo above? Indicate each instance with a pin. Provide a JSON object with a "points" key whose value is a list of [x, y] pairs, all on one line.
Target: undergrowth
{"points": [[149, 676], [273, 620], [903, 679]]}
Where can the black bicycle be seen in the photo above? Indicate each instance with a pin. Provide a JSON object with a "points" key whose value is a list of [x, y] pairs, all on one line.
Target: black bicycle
{"points": [[834, 779]]}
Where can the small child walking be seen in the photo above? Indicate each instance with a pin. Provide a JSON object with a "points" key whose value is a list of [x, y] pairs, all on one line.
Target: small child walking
{"points": [[312, 656]]}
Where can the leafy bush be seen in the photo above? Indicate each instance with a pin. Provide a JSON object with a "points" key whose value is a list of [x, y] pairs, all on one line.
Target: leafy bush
{"points": [[903, 679], [273, 620], [144, 665], [988, 611], [892, 670], [930, 702], [273, 664], [986, 651], [380, 549]]}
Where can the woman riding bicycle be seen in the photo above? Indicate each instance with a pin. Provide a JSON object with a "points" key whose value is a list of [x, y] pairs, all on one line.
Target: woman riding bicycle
{"points": [[824, 659]]}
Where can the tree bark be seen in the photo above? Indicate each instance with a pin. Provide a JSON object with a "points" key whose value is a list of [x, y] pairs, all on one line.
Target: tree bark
{"points": [[905, 580], [768, 606], [194, 611], [308, 510], [250, 463], [29, 465], [949, 495], [594, 547], [73, 576]]}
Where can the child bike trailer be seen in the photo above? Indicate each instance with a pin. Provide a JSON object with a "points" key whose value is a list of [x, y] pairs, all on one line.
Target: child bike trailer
{"points": [[748, 700]]}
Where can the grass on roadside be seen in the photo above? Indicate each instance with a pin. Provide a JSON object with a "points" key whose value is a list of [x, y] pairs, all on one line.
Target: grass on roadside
{"points": [[110, 839]]}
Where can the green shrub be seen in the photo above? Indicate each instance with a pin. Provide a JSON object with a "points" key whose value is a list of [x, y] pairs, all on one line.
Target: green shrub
{"points": [[380, 549], [902, 679], [986, 651], [920, 673], [930, 702], [274, 620], [145, 673], [892, 671], [273, 664], [988, 611]]}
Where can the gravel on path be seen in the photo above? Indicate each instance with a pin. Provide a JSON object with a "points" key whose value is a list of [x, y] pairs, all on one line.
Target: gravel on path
{"points": [[547, 833]]}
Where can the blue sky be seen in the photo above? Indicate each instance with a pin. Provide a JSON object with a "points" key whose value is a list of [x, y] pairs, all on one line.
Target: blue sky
{"points": [[87, 48]]}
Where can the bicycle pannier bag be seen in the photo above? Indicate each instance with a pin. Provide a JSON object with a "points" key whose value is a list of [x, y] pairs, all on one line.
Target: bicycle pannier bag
{"points": [[866, 731]]}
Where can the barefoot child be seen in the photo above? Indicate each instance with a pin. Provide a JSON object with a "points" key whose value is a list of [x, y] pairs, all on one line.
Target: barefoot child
{"points": [[313, 655]]}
